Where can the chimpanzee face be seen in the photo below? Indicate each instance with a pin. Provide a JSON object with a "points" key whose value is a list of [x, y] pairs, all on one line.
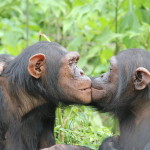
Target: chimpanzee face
{"points": [[72, 84], [75, 85], [104, 86]]}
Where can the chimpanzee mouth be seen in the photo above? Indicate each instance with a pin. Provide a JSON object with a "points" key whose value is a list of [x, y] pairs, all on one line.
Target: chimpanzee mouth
{"points": [[86, 89], [97, 88]]}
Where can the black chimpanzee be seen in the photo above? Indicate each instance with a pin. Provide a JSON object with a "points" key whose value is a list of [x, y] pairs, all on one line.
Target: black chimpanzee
{"points": [[31, 86], [125, 92]]}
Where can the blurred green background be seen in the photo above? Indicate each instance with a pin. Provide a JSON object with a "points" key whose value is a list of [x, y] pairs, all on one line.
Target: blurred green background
{"points": [[97, 29]]}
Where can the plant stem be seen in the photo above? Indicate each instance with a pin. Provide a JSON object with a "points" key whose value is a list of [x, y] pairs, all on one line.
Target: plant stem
{"points": [[116, 27], [59, 114], [27, 22]]}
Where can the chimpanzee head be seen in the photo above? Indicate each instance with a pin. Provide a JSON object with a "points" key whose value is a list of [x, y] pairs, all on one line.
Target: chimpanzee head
{"points": [[48, 70], [126, 82]]}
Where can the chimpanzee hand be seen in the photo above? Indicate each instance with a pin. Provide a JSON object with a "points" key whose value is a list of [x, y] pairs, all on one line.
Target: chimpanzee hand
{"points": [[110, 143], [66, 147]]}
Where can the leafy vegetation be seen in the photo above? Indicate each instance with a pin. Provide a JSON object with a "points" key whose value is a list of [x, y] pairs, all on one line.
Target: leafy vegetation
{"points": [[98, 29]]}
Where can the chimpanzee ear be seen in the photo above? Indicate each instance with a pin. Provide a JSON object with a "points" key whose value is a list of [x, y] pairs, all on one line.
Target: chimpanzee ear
{"points": [[36, 66], [142, 78], [2, 67]]}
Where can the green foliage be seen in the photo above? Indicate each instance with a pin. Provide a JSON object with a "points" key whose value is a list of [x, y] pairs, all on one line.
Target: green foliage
{"points": [[97, 29], [75, 127]]}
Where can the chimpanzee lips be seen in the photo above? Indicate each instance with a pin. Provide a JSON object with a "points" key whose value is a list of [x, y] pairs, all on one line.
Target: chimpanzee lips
{"points": [[98, 94], [86, 89], [97, 88]]}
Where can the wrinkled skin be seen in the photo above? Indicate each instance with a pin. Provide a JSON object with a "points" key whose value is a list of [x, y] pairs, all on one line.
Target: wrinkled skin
{"points": [[80, 87], [103, 86]]}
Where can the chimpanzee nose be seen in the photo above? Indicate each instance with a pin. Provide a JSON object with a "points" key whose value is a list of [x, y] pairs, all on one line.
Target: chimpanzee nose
{"points": [[102, 75], [81, 72], [97, 83]]}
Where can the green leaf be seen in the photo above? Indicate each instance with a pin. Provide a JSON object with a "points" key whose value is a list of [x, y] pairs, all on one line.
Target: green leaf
{"points": [[75, 43], [67, 25], [106, 36]]}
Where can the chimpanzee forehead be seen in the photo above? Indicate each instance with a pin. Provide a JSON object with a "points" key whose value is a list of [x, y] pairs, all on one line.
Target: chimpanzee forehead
{"points": [[72, 55]]}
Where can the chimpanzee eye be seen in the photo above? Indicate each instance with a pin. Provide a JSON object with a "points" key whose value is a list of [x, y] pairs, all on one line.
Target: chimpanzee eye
{"points": [[76, 62], [71, 62], [110, 69]]}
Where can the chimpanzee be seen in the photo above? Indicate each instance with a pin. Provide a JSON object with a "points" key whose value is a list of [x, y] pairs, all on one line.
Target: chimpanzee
{"points": [[4, 60], [31, 87], [125, 92]]}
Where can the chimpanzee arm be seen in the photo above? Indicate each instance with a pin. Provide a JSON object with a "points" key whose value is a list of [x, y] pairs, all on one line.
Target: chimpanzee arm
{"points": [[47, 137], [26, 134], [48, 120], [2, 145], [111, 143], [66, 147]]}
